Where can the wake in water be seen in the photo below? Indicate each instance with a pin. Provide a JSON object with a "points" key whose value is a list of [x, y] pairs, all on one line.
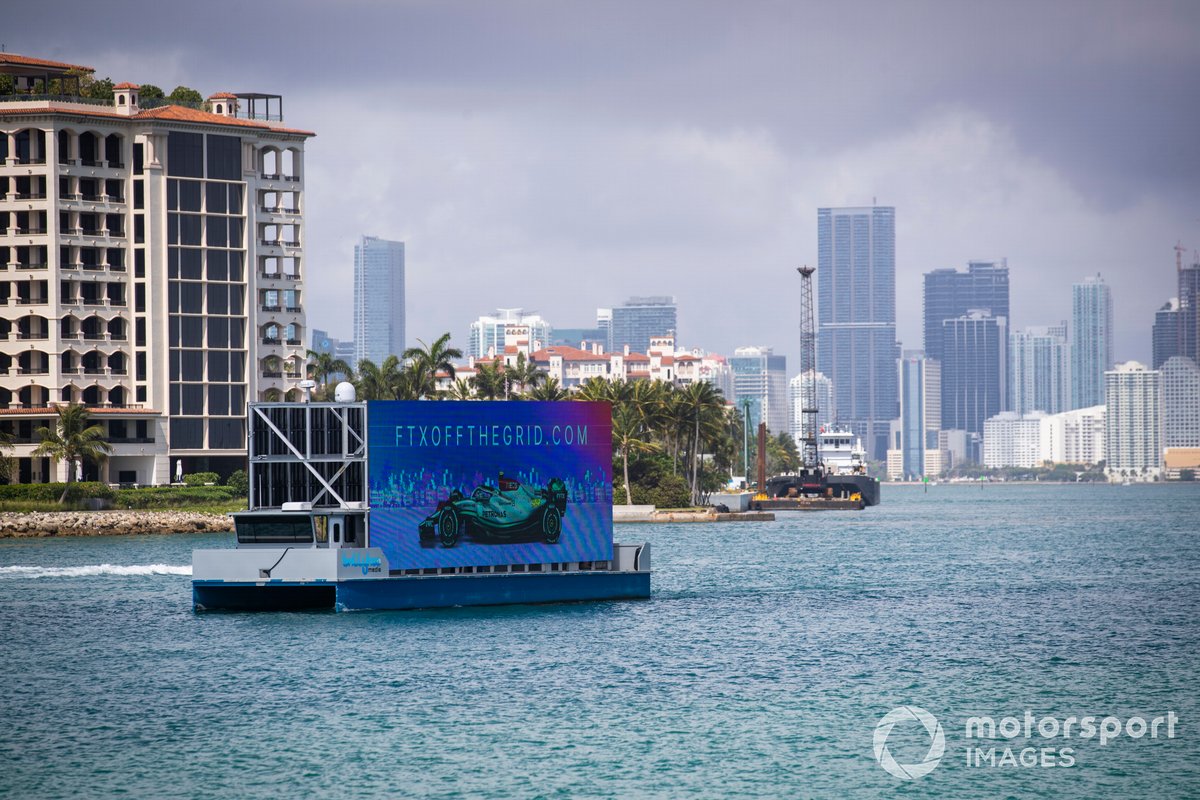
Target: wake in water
{"points": [[93, 569]]}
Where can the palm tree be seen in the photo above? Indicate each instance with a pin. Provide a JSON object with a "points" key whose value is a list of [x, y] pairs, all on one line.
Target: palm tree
{"points": [[323, 366], [550, 390], [379, 382], [488, 379], [6, 463], [428, 360], [701, 407], [628, 437], [462, 390], [73, 438], [526, 374]]}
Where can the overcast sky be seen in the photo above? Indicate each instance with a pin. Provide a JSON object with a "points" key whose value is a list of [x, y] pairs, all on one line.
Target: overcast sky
{"points": [[562, 156]]}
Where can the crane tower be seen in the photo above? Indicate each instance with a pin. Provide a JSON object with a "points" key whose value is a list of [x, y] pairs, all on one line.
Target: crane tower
{"points": [[808, 370]]}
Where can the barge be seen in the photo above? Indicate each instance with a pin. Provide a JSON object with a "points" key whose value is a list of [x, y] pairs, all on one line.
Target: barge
{"points": [[408, 505]]}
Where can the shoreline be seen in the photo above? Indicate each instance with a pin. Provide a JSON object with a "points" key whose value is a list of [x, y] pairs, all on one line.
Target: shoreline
{"points": [[121, 522]]}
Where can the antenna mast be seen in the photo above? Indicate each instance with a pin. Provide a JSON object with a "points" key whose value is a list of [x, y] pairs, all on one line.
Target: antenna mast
{"points": [[808, 370]]}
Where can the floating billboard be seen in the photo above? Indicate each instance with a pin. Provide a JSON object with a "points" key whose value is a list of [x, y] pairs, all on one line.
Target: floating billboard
{"points": [[477, 483]]}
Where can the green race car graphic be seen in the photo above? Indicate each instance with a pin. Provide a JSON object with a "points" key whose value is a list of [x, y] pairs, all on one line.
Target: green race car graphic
{"points": [[502, 513]]}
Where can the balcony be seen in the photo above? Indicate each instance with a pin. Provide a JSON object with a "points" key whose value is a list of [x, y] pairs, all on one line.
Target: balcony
{"points": [[267, 374], [32, 301], [32, 266], [29, 231], [294, 342], [30, 196], [293, 309], [33, 371], [270, 340], [272, 309]]}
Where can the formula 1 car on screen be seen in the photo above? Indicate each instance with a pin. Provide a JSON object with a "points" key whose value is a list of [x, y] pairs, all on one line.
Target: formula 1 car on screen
{"points": [[505, 512]]}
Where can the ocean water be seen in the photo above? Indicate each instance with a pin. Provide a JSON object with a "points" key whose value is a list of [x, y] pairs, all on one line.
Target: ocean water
{"points": [[760, 668]]}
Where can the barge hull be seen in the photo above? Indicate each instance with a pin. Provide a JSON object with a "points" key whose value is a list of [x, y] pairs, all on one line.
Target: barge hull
{"points": [[416, 592]]}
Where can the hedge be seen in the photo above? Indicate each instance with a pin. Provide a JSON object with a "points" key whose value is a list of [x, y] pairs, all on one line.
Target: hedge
{"points": [[173, 496], [50, 492]]}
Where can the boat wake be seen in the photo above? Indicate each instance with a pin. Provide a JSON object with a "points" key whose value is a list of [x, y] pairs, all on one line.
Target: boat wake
{"points": [[89, 570]]}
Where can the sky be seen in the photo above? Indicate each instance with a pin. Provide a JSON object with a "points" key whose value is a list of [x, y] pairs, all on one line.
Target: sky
{"points": [[561, 156]]}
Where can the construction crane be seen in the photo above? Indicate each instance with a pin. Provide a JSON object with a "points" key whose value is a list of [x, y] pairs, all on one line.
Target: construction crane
{"points": [[808, 371]]}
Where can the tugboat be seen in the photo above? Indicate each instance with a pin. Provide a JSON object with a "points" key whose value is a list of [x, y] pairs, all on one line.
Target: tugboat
{"points": [[389, 505]]}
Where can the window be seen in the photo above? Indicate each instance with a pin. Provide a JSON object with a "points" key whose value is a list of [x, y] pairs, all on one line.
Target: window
{"points": [[185, 156], [187, 434], [281, 529], [224, 157]]}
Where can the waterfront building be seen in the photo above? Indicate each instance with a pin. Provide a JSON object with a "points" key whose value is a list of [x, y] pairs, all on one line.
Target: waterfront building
{"points": [[1091, 341], [634, 324], [760, 382], [1076, 436], [490, 333], [378, 299], [826, 408], [1180, 380], [1016, 440], [1133, 421], [856, 317], [915, 432], [1167, 338], [974, 380], [1040, 370], [151, 268], [949, 294]]}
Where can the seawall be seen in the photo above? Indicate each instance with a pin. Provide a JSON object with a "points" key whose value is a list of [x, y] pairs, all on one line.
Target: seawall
{"points": [[108, 523]]}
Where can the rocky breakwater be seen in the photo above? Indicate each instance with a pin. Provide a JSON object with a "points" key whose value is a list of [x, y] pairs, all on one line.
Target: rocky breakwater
{"points": [[108, 523]]}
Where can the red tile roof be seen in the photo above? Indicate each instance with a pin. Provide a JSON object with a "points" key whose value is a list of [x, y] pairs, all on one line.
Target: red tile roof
{"points": [[636, 357], [567, 353], [27, 61], [222, 96], [127, 85], [50, 411], [169, 113]]}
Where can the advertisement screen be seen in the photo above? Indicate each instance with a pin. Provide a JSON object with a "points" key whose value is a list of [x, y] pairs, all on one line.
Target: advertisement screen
{"points": [[476, 483]]}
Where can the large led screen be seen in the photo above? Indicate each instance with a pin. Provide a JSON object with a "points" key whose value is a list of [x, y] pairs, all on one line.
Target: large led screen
{"points": [[474, 483]]}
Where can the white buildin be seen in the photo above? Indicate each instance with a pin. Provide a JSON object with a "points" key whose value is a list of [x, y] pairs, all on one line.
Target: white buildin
{"points": [[1039, 370], [826, 410], [1076, 436], [489, 333], [1133, 424], [151, 268], [1181, 402], [1014, 440]]}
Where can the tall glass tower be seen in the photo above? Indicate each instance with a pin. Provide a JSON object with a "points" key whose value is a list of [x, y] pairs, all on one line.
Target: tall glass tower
{"points": [[378, 299], [856, 313], [1091, 341]]}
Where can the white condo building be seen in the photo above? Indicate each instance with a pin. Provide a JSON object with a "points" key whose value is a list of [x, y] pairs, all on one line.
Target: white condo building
{"points": [[826, 410], [1133, 425], [489, 333], [151, 268], [1181, 402], [1014, 440]]}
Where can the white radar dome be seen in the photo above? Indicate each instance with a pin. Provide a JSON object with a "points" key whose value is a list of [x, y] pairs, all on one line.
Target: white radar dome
{"points": [[344, 392]]}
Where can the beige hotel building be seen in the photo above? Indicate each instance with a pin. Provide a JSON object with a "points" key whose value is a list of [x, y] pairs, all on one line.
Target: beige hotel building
{"points": [[151, 268]]}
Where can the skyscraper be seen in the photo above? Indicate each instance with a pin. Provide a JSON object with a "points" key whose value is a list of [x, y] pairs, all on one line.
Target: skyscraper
{"points": [[760, 380], [1091, 341], [856, 313], [378, 299], [639, 320], [950, 294], [1167, 340], [1180, 381], [974, 377], [1133, 421], [920, 412], [1040, 370], [158, 254]]}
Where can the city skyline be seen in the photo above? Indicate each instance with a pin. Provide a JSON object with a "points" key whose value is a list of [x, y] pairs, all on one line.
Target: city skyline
{"points": [[709, 194]]}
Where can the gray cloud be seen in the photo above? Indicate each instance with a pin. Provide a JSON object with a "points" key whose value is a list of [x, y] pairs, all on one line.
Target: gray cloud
{"points": [[565, 155]]}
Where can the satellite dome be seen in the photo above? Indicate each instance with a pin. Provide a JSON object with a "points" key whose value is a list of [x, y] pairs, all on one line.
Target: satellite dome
{"points": [[344, 393]]}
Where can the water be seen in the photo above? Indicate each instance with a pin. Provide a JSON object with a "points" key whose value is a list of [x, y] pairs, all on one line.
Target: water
{"points": [[759, 669]]}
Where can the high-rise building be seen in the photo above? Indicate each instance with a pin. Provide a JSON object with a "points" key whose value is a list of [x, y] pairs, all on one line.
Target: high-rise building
{"points": [[638, 321], [825, 403], [1039, 362], [974, 379], [760, 381], [950, 293], [1015, 440], [856, 317], [378, 299], [156, 257], [1167, 340], [1176, 326], [1180, 380], [1091, 341], [489, 333], [1133, 421], [920, 415]]}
